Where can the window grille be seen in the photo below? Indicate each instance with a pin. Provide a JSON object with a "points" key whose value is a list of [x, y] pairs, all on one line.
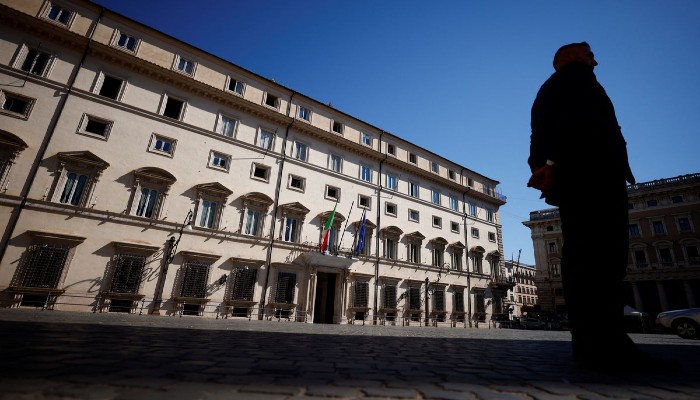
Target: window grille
{"points": [[361, 294], [44, 265], [459, 302], [127, 273], [286, 285], [244, 284], [194, 281], [390, 296], [439, 296], [414, 298]]}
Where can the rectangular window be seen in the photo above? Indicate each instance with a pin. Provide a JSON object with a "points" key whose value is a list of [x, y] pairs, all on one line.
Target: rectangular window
{"points": [[236, 86], [390, 248], [413, 215], [365, 173], [492, 237], [366, 139], [126, 42], [332, 193], [489, 215], [413, 253], [470, 182], [390, 209], [219, 160], [391, 182], [58, 14], [184, 66], [285, 288], [640, 258], [454, 227], [652, 203], [301, 151], [147, 203], [111, 87], [162, 145], [95, 126], [304, 114], [454, 203], [684, 224], [459, 301], [360, 296], [437, 222], [436, 197], [227, 126], [365, 202], [44, 265], [413, 189], [335, 162], [291, 229], [451, 174], [412, 158], [297, 183], [472, 210], [36, 62], [271, 100], [666, 257], [439, 300], [337, 127], [634, 230], [173, 108], [658, 227], [475, 233], [207, 214], [244, 284], [253, 223], [195, 275], [391, 149], [15, 105], [677, 199], [260, 172], [73, 189], [128, 269], [265, 139], [457, 260], [389, 300], [434, 167]]}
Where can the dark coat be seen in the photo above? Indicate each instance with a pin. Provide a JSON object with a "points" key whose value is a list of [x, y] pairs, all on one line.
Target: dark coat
{"points": [[574, 124]]}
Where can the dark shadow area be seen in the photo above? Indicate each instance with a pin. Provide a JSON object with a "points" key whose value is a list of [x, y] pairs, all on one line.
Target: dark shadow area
{"points": [[112, 354]]}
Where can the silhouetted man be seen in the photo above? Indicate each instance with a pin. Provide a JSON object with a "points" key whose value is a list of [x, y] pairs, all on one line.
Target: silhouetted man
{"points": [[578, 159]]}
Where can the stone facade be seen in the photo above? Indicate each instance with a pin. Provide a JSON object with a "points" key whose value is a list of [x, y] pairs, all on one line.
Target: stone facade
{"points": [[142, 174]]}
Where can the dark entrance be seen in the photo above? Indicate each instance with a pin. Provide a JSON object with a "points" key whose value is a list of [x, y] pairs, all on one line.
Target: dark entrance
{"points": [[325, 298]]}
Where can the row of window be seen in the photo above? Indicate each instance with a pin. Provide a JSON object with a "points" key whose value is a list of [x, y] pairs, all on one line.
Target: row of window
{"points": [[675, 199], [666, 256], [658, 227], [38, 63]]}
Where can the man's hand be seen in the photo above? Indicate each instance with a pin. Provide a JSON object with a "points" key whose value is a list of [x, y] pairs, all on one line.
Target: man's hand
{"points": [[543, 179]]}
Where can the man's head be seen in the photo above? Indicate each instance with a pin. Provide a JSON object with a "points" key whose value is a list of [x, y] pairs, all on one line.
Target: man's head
{"points": [[580, 52]]}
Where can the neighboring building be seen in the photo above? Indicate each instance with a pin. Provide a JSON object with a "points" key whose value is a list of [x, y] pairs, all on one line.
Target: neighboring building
{"points": [[141, 174], [523, 296], [663, 271]]}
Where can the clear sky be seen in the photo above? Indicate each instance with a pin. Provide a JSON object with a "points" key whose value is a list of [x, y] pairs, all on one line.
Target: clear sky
{"points": [[458, 77]]}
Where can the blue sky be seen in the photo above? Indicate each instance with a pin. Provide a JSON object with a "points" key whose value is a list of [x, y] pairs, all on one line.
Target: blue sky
{"points": [[458, 77]]}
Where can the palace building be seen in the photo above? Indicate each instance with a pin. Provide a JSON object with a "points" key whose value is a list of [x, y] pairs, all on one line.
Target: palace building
{"points": [[141, 174]]}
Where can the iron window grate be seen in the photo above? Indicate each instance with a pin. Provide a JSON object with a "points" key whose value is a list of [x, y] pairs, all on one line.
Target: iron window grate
{"points": [[194, 281], [459, 302], [439, 300], [361, 294], [286, 283], [414, 298], [44, 266], [127, 273], [390, 296], [244, 284]]}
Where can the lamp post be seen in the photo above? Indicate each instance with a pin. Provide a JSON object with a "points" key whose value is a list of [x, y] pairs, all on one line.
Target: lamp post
{"points": [[169, 256], [430, 288]]}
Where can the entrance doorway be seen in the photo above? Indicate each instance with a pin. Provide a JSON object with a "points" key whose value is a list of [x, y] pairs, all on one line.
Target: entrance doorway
{"points": [[324, 306]]}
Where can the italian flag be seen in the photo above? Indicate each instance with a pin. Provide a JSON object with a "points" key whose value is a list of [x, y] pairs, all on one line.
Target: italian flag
{"points": [[327, 230]]}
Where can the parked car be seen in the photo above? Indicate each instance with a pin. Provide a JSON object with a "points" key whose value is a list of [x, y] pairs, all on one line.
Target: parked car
{"points": [[532, 323], [637, 321], [684, 323]]}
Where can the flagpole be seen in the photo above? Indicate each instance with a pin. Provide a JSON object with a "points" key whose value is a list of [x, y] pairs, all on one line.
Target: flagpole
{"points": [[344, 228]]}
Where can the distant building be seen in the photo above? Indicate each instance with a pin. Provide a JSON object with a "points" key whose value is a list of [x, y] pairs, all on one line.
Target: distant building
{"points": [[663, 271], [141, 174], [523, 296]]}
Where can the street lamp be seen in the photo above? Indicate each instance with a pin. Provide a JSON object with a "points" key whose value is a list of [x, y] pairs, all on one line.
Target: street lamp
{"points": [[169, 256], [430, 289]]}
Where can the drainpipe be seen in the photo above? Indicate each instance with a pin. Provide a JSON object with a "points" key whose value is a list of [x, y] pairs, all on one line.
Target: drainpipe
{"points": [[268, 257], [14, 217], [466, 246], [379, 219]]}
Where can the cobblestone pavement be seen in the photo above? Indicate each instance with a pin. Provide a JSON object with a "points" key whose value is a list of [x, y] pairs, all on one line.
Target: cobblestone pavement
{"points": [[66, 355]]}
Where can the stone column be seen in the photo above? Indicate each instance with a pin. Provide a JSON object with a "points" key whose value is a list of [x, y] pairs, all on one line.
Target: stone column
{"points": [[690, 296], [662, 295], [638, 302]]}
